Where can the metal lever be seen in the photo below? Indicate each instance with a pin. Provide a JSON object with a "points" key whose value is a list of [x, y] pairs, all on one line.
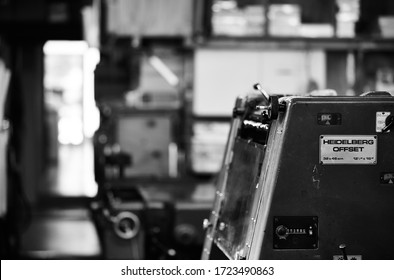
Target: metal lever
{"points": [[258, 87], [272, 101]]}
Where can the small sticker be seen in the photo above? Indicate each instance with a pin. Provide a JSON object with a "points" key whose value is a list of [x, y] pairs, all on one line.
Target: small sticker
{"points": [[387, 178], [348, 149], [381, 120], [329, 119]]}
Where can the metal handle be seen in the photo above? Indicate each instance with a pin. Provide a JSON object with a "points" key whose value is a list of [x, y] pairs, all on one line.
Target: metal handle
{"points": [[258, 87], [272, 101]]}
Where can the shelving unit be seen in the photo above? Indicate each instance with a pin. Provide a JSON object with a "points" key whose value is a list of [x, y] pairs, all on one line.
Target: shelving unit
{"points": [[337, 50], [366, 42], [270, 43]]}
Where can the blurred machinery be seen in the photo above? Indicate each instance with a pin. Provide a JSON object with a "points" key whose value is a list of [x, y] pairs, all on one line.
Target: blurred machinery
{"points": [[136, 143], [151, 220], [148, 205], [145, 209], [306, 177]]}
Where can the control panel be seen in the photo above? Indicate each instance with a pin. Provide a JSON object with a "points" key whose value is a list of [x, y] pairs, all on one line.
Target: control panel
{"points": [[295, 232]]}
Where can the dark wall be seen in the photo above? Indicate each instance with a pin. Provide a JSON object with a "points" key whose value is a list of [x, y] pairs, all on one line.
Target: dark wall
{"points": [[42, 19], [31, 72], [370, 10], [26, 25]]}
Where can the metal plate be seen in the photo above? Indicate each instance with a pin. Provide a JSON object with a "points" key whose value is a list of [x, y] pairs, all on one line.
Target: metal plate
{"points": [[295, 232], [348, 149], [236, 214], [147, 139], [329, 119]]}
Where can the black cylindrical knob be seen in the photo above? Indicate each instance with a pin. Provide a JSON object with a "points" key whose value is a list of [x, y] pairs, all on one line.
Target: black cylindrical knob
{"points": [[343, 249]]}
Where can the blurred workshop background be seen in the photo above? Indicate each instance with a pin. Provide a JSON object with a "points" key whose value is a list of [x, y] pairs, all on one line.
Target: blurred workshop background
{"points": [[115, 113]]}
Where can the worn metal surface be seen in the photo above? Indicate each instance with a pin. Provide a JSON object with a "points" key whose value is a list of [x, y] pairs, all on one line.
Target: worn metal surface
{"points": [[352, 201]]}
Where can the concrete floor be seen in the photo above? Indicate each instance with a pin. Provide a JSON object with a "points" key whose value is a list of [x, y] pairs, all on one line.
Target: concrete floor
{"points": [[61, 225]]}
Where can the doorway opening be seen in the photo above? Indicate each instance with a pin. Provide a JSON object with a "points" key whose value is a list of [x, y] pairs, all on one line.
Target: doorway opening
{"points": [[71, 118]]}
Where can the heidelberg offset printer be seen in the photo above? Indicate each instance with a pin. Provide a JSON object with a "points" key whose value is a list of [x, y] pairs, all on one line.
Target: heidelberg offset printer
{"points": [[306, 177]]}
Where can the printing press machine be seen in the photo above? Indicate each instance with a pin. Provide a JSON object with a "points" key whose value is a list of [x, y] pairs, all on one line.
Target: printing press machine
{"points": [[306, 177], [152, 220]]}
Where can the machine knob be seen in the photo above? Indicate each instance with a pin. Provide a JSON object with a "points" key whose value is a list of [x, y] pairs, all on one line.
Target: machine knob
{"points": [[282, 232], [343, 249], [126, 225], [186, 234]]}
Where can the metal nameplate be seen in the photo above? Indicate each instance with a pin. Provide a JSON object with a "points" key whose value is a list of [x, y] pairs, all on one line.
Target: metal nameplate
{"points": [[348, 149]]}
